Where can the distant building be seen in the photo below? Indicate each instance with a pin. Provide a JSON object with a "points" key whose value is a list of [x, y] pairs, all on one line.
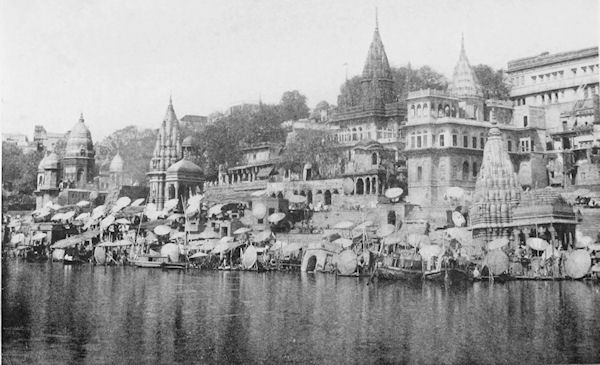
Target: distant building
{"points": [[71, 178], [194, 122], [566, 86], [46, 141], [554, 81]]}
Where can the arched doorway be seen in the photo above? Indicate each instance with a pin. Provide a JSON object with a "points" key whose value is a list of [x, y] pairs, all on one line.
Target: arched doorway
{"points": [[311, 264], [368, 186], [360, 187], [327, 197], [391, 218]]}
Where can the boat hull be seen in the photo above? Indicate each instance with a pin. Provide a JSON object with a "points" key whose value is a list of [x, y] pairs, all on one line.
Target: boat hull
{"points": [[149, 264], [398, 273], [448, 276]]}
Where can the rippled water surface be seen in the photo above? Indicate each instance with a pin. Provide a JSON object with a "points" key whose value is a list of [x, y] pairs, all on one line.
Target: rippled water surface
{"points": [[59, 314]]}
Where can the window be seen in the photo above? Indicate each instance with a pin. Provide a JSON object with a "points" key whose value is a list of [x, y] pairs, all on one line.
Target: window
{"points": [[418, 141], [425, 140], [509, 146], [441, 140], [374, 159], [475, 171], [412, 141], [454, 140], [433, 140], [419, 173], [525, 144], [465, 171], [465, 141], [474, 139], [525, 121], [481, 142]]}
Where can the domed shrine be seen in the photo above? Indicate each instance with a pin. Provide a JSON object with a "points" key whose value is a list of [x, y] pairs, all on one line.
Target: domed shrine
{"points": [[78, 162]]}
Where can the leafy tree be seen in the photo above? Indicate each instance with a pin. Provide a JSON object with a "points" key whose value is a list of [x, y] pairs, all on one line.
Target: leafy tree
{"points": [[312, 147], [135, 146], [19, 170], [220, 146], [293, 105], [264, 125], [350, 93], [316, 112], [405, 79], [492, 82]]}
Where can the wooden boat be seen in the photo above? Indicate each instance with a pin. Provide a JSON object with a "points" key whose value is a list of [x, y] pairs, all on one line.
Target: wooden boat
{"points": [[401, 266], [150, 261], [448, 275], [70, 260], [174, 265], [502, 278]]}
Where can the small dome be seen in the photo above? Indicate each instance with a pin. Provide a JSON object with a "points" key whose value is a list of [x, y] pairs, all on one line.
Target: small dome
{"points": [[116, 165], [50, 162], [184, 166], [80, 139], [189, 141]]}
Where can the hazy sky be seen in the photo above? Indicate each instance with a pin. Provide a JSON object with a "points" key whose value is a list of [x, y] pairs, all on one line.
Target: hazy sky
{"points": [[118, 61]]}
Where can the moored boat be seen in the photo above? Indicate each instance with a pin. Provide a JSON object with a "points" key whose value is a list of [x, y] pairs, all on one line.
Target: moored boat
{"points": [[150, 261], [401, 266]]}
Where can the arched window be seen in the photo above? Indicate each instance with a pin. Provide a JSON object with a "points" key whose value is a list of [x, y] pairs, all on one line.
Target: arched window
{"points": [[327, 197], [309, 197], [354, 136], [412, 110], [419, 110], [367, 186], [280, 195], [440, 111], [447, 110], [360, 187], [374, 158], [426, 110], [465, 171], [475, 170], [79, 174]]}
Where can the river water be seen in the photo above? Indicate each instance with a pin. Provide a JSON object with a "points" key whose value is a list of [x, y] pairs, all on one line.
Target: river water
{"points": [[84, 314]]}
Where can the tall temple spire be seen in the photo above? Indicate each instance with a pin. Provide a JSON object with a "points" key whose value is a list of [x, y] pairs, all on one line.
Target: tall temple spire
{"points": [[377, 84], [464, 81], [376, 19]]}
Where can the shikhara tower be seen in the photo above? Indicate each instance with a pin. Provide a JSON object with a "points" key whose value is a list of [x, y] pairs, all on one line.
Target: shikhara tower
{"points": [[167, 151]]}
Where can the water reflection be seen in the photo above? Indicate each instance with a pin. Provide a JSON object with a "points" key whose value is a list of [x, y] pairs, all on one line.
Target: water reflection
{"points": [[84, 314]]}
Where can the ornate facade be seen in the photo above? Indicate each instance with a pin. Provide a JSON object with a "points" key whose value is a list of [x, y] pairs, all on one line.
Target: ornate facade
{"points": [[170, 179], [78, 162]]}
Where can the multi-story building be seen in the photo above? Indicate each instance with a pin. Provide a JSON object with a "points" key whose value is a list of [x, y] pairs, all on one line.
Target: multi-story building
{"points": [[46, 140], [566, 86], [554, 81]]}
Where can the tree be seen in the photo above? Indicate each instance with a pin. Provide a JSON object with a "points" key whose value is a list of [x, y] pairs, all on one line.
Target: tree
{"points": [[308, 146], [405, 79], [135, 145], [293, 106], [220, 146], [19, 170], [350, 93], [321, 106], [493, 83]]}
